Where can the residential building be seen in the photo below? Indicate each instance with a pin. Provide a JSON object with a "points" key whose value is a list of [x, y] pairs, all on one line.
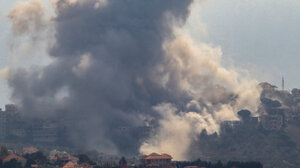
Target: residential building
{"points": [[123, 163], [29, 150], [267, 86], [272, 122], [254, 120], [62, 156], [155, 160], [14, 156], [296, 95], [3, 124], [84, 165], [10, 108], [44, 132], [71, 165], [230, 125]]}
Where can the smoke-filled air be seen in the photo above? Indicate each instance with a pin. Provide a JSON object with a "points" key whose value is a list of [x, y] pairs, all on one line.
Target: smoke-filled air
{"points": [[121, 65]]}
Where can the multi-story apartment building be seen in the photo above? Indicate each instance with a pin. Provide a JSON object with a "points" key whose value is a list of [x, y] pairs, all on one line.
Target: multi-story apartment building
{"points": [[272, 122], [155, 160], [44, 132], [3, 124]]}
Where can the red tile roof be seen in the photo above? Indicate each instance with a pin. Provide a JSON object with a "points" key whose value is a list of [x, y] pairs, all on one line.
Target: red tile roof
{"points": [[70, 165], [13, 156], [85, 165], [30, 150], [157, 156]]}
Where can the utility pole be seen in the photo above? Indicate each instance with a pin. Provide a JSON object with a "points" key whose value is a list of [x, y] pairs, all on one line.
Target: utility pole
{"points": [[282, 83]]}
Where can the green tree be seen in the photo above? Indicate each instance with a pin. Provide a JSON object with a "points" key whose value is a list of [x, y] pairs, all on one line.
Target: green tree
{"points": [[270, 102], [13, 163], [3, 151], [244, 115], [35, 158], [123, 162], [83, 158]]}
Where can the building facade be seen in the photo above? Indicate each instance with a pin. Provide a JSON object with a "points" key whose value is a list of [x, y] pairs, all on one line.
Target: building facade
{"points": [[155, 160]]}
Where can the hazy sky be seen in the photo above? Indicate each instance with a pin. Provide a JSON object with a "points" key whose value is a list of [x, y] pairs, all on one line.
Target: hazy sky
{"points": [[4, 49], [262, 36]]}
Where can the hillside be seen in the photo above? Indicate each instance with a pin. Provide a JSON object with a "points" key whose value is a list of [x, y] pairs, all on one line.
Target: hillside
{"points": [[272, 148]]}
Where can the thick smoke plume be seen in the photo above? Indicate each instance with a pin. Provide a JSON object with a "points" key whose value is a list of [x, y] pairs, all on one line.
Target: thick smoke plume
{"points": [[119, 64]]}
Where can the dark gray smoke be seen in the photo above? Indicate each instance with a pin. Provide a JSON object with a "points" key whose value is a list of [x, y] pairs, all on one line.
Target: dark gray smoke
{"points": [[101, 79], [121, 64]]}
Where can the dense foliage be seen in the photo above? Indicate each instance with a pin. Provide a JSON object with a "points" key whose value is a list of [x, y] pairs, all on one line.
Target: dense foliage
{"points": [[219, 164]]}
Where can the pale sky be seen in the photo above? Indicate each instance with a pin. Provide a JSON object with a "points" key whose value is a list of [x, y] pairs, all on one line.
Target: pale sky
{"points": [[4, 49], [262, 36]]}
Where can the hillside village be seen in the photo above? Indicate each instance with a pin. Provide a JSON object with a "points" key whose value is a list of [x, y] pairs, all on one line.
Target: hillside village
{"points": [[278, 109], [275, 126], [31, 157], [271, 136]]}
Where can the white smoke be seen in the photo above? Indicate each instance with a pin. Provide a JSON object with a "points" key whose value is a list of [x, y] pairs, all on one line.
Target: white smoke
{"points": [[198, 72], [177, 130]]}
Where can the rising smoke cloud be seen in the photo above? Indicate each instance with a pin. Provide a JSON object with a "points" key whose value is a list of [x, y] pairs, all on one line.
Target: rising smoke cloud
{"points": [[215, 94], [118, 64], [31, 28]]}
